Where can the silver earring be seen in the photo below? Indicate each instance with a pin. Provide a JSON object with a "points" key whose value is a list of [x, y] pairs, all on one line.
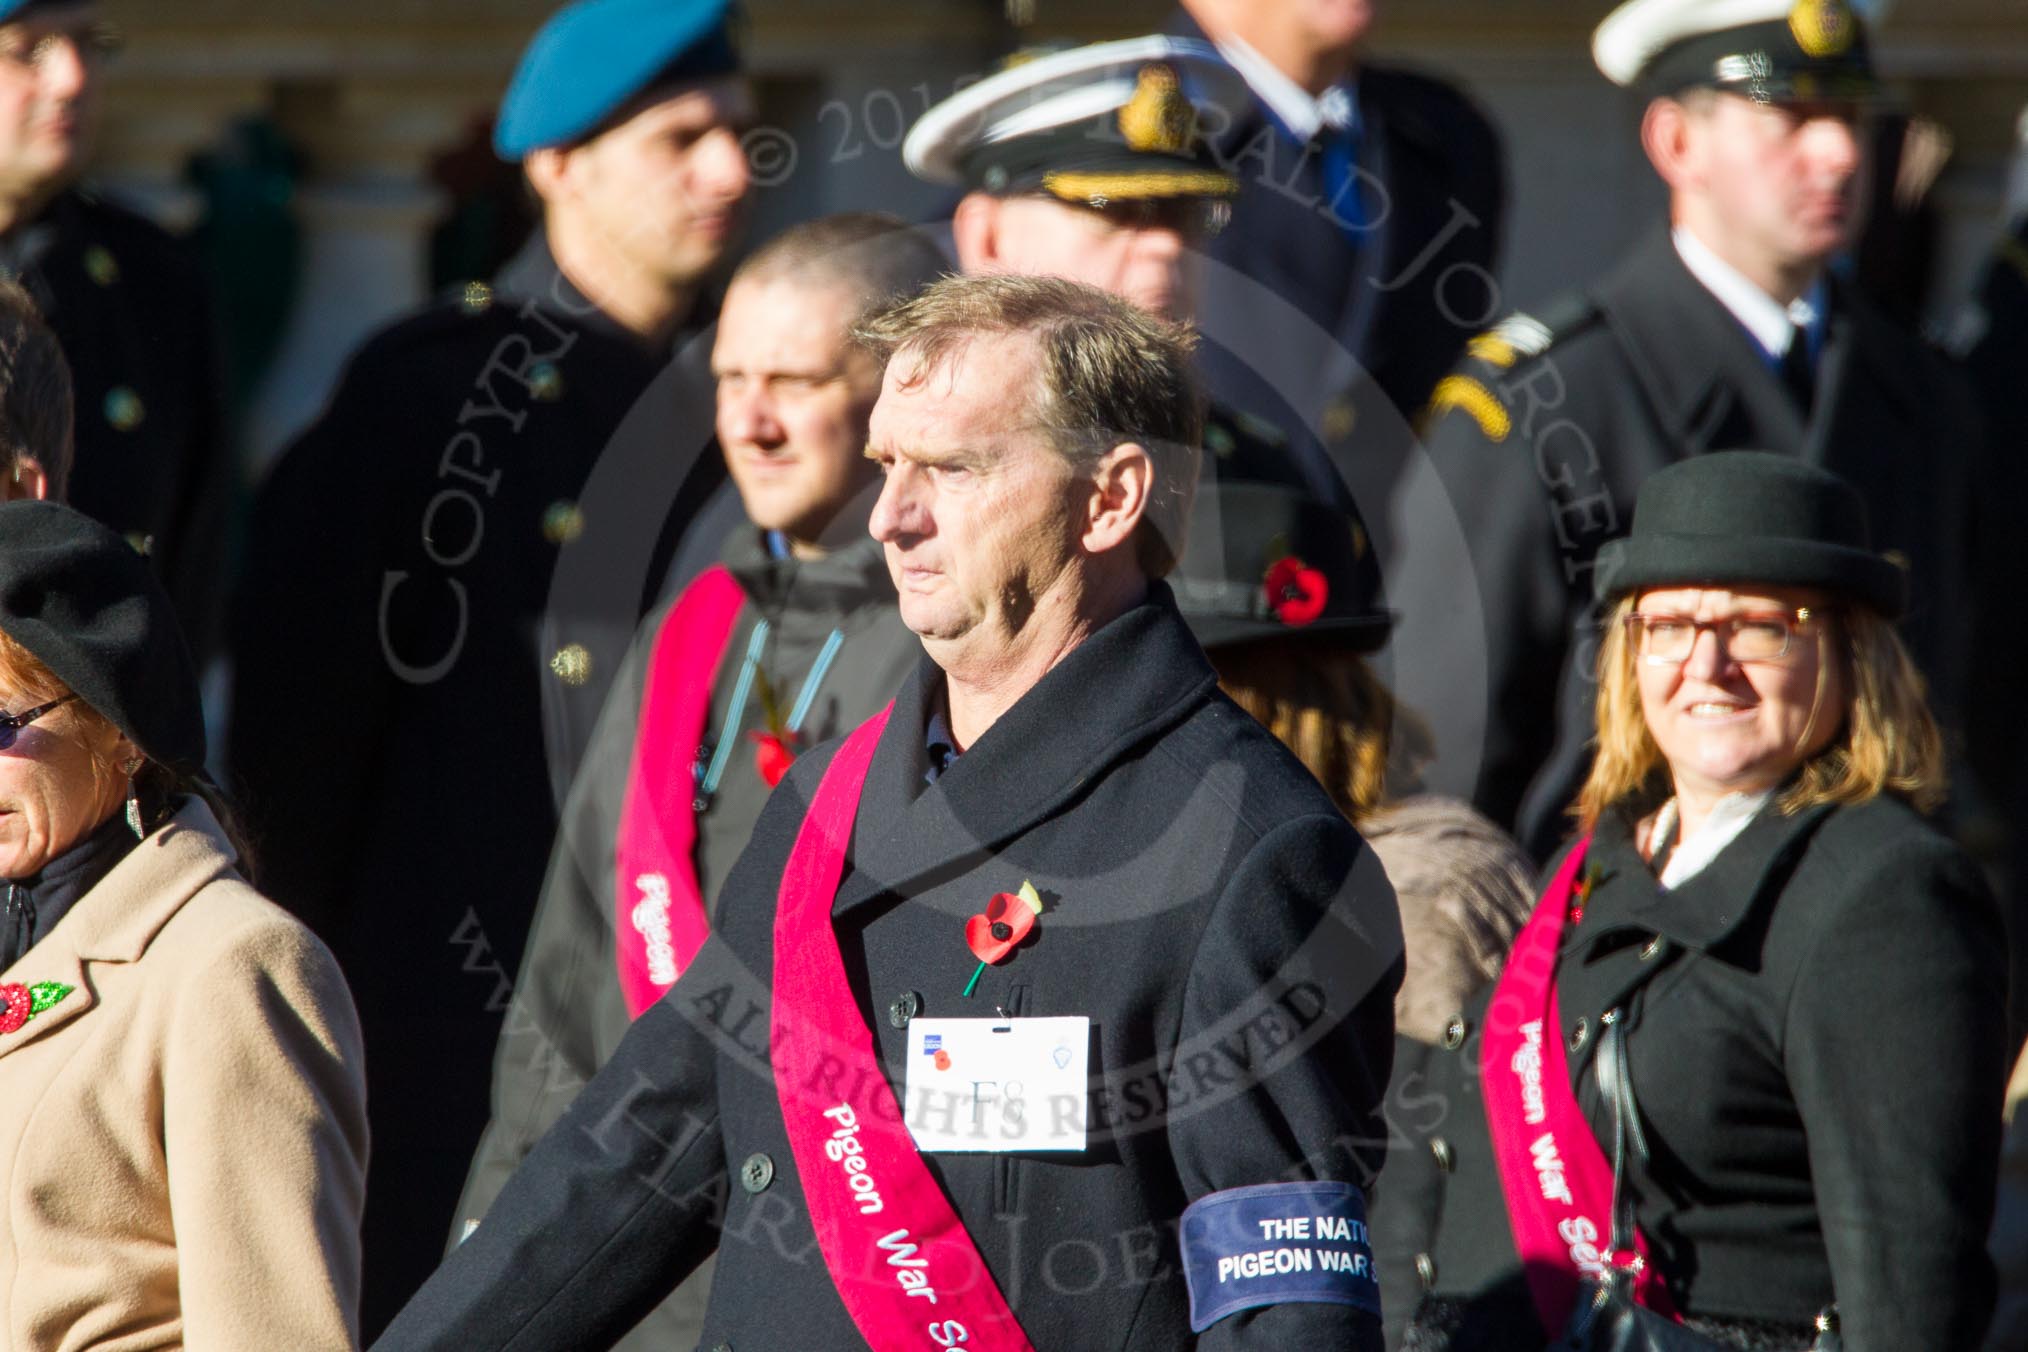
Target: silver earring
{"points": [[134, 800]]}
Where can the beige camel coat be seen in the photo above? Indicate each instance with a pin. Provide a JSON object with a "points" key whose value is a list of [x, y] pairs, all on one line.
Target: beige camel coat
{"points": [[182, 1131]]}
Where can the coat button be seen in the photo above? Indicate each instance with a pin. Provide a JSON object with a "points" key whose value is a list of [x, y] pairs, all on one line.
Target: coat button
{"points": [[101, 266], [1580, 1034], [757, 1172], [1339, 419], [1454, 1033], [721, 1347], [545, 382], [1446, 1157], [562, 522], [1652, 949], [124, 409], [906, 1006], [572, 664], [1425, 1270]]}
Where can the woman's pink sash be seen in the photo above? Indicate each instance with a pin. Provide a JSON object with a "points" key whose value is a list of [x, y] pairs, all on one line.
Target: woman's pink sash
{"points": [[659, 921], [1556, 1177], [903, 1263]]}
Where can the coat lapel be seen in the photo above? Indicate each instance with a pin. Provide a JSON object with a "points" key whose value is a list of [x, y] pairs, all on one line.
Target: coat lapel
{"points": [[1659, 310], [116, 921], [1135, 678]]}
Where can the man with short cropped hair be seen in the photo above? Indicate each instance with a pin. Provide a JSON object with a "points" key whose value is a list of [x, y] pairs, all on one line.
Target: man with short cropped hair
{"points": [[1051, 1009], [790, 642], [442, 575]]}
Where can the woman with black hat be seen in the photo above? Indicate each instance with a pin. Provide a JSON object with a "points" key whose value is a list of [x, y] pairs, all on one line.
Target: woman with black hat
{"points": [[183, 1146], [1759, 983]]}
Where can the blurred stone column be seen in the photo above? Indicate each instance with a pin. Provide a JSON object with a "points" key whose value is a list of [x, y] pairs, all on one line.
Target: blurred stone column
{"points": [[366, 208]]}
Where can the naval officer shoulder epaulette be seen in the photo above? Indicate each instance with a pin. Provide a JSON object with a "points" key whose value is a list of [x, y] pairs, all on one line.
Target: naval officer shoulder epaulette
{"points": [[1520, 338]]}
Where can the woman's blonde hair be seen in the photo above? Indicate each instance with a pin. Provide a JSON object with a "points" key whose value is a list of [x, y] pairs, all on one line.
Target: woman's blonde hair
{"points": [[1887, 741], [1332, 712]]}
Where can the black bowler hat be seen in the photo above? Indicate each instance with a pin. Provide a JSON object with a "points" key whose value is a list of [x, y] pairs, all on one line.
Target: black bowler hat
{"points": [[1751, 518], [1268, 561], [90, 609]]}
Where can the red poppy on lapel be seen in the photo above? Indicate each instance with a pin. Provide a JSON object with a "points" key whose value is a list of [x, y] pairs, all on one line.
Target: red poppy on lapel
{"points": [[19, 1004], [994, 933], [1296, 592], [774, 756]]}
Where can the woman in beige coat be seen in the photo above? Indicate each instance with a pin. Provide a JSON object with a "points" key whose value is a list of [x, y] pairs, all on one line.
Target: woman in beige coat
{"points": [[183, 1139]]}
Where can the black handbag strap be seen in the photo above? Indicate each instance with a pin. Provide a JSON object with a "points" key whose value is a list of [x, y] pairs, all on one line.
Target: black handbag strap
{"points": [[1616, 1086]]}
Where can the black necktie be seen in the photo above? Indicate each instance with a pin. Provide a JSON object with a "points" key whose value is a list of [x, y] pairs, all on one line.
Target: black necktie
{"points": [[1799, 376]]}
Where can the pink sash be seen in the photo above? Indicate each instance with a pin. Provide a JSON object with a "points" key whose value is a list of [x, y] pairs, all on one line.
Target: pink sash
{"points": [[658, 920], [901, 1259], [1556, 1177]]}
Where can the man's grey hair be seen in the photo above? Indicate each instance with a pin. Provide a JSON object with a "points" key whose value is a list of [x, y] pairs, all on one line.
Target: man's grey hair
{"points": [[1111, 373]]}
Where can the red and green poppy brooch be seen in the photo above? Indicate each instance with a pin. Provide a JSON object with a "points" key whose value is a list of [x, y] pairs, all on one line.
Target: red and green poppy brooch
{"points": [[19, 1003], [994, 933]]}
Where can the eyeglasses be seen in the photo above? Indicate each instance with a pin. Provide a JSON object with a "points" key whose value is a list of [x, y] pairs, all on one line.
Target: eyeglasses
{"points": [[96, 44], [12, 724], [1746, 638]]}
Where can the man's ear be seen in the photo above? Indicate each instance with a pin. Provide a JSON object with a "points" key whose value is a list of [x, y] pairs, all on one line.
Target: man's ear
{"points": [[1665, 136], [1122, 485], [975, 233], [28, 480], [546, 171]]}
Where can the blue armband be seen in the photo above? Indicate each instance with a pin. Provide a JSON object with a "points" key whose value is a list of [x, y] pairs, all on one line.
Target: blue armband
{"points": [[1275, 1244]]}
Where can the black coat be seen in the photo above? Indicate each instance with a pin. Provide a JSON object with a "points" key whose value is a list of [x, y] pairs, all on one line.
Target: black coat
{"points": [[442, 578], [1379, 309], [1818, 1052], [568, 1012], [1206, 901], [1539, 462], [155, 457]]}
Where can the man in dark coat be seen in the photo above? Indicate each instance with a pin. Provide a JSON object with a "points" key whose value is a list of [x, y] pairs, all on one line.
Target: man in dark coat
{"points": [[1725, 332], [444, 572], [815, 647], [1200, 936], [154, 457], [1361, 251]]}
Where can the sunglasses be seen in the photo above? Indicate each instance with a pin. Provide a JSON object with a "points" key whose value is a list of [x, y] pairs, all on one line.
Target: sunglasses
{"points": [[12, 724]]}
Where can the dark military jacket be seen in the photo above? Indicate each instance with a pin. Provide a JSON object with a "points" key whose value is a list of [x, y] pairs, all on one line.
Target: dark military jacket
{"points": [[1332, 332], [442, 576], [1234, 945], [1537, 450], [154, 456], [1817, 1045], [568, 1013]]}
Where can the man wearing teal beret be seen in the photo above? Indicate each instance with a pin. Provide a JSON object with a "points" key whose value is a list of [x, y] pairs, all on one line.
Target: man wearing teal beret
{"points": [[418, 656]]}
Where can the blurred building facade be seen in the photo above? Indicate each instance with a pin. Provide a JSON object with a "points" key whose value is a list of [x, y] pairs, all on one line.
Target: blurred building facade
{"points": [[350, 137]]}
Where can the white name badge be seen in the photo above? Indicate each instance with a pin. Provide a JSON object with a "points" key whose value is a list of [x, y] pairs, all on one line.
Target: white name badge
{"points": [[997, 1084]]}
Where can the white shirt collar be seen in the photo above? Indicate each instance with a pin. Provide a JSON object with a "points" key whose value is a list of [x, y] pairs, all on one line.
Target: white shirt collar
{"points": [[1337, 107], [1772, 324], [1729, 816]]}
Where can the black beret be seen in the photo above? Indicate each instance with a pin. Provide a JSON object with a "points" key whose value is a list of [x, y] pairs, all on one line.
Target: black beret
{"points": [[90, 609], [1751, 518]]}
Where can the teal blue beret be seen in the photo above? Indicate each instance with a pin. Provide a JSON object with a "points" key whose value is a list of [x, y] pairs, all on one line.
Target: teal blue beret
{"points": [[593, 56]]}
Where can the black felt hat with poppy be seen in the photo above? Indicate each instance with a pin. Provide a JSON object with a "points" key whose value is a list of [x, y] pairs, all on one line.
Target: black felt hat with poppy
{"points": [[1269, 561]]}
